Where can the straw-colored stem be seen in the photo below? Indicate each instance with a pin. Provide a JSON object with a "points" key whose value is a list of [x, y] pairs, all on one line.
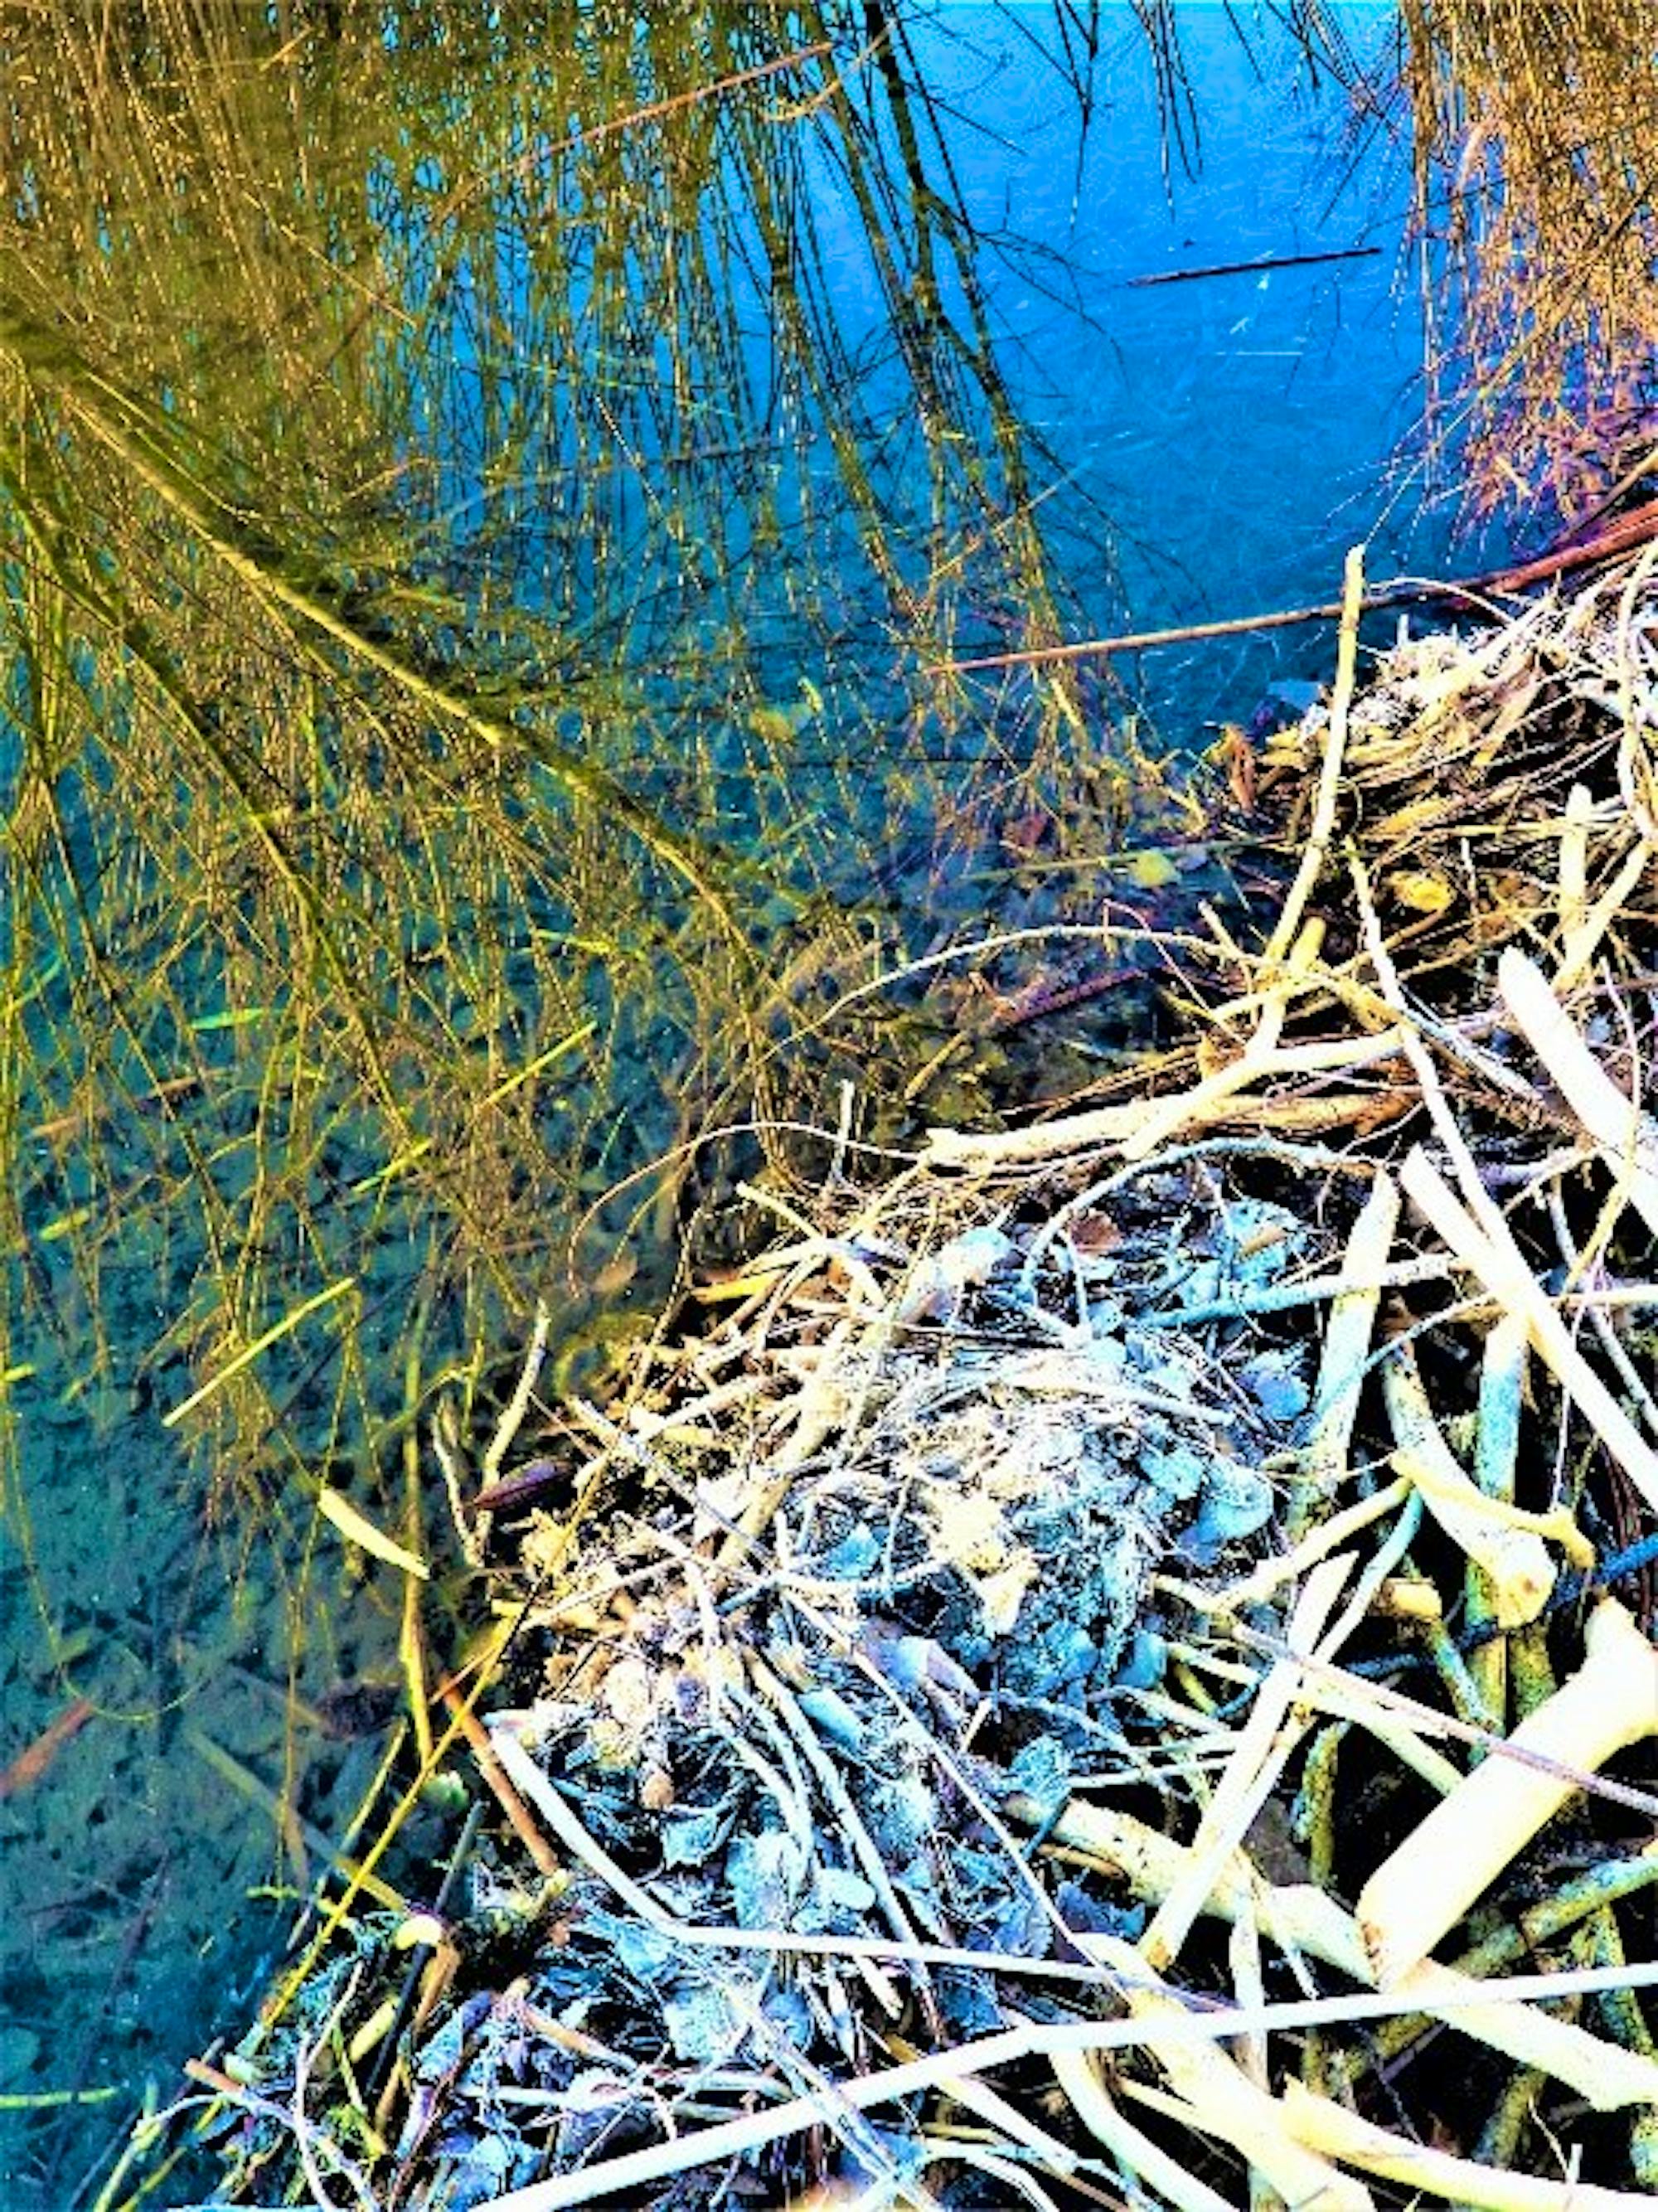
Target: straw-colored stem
{"points": [[1495, 1454], [1337, 2133], [1322, 827], [1424, 1888]]}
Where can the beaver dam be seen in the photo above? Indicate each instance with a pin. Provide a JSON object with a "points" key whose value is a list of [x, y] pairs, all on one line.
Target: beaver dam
{"points": [[1109, 1661]]}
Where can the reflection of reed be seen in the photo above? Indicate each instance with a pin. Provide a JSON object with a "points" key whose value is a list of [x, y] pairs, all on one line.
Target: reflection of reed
{"points": [[462, 579], [1533, 130]]}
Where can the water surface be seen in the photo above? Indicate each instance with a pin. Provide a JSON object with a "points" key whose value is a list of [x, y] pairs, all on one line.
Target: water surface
{"points": [[1201, 449]]}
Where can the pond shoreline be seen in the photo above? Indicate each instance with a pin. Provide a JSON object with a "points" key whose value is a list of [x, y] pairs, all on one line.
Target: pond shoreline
{"points": [[966, 1483]]}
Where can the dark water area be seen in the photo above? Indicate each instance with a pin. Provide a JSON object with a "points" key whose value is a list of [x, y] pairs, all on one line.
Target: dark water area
{"points": [[196, 1693]]}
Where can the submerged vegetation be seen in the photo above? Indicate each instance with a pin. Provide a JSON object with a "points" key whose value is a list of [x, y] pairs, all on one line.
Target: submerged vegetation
{"points": [[468, 583]]}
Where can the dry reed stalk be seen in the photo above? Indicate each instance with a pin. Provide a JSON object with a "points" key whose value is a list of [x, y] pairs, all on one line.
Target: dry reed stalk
{"points": [[1219, 2099], [1504, 1543], [1259, 1755], [1300, 1919], [1627, 1138], [1425, 1887], [1333, 2130], [1496, 1260], [1343, 1358]]}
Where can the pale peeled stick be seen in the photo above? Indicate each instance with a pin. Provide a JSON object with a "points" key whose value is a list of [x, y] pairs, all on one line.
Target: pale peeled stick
{"points": [[1450, 1858]]}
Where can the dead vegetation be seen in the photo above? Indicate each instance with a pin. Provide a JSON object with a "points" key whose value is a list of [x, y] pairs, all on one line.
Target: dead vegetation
{"points": [[1107, 1665], [1528, 128]]}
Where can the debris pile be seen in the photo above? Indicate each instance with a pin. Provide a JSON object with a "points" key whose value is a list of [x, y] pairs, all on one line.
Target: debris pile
{"points": [[1115, 1662]]}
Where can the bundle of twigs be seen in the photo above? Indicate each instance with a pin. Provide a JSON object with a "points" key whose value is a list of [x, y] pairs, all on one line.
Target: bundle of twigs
{"points": [[1141, 1607]]}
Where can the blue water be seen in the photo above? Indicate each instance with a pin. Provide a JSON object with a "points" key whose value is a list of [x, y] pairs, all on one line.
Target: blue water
{"points": [[1214, 447], [1231, 435]]}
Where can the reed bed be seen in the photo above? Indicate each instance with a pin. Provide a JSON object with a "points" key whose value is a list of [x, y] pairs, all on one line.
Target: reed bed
{"points": [[1112, 1663]]}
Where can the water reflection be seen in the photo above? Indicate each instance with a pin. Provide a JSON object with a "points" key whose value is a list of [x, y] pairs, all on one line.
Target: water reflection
{"points": [[484, 498], [1241, 431]]}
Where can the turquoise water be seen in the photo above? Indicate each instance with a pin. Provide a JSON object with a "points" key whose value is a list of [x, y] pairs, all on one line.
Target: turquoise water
{"points": [[1233, 435], [1213, 446]]}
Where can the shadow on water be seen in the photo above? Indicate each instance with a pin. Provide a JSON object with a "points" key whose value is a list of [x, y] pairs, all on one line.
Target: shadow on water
{"points": [[485, 500]]}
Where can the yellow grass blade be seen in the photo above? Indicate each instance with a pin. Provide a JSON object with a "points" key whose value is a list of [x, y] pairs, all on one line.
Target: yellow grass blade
{"points": [[249, 1353], [357, 1528]]}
